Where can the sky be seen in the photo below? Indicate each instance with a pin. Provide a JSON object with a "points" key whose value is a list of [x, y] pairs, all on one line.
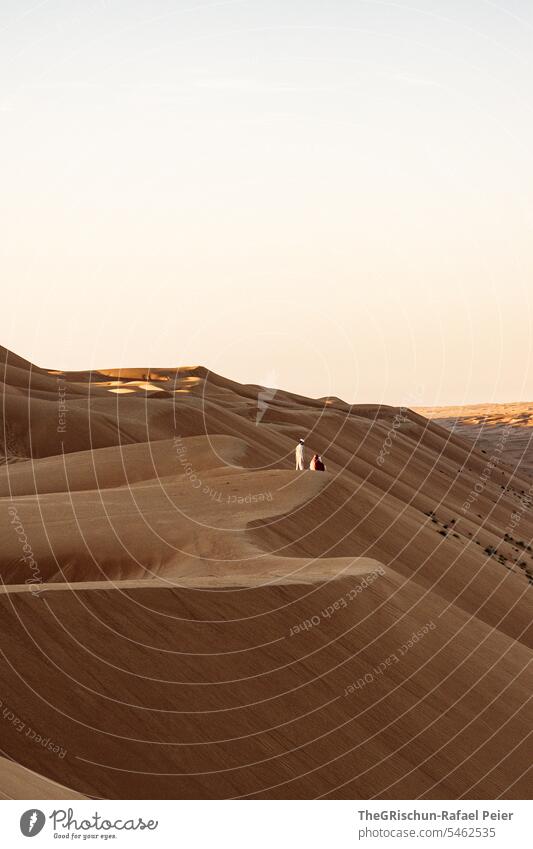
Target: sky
{"points": [[332, 197]]}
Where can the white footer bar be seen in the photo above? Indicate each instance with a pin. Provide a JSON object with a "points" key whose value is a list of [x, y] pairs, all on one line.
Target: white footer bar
{"points": [[268, 824]]}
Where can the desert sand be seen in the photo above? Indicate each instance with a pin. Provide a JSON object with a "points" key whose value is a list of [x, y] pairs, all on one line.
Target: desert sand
{"points": [[505, 427], [185, 616]]}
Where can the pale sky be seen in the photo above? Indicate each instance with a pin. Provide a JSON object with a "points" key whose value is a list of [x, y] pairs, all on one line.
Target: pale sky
{"points": [[330, 196]]}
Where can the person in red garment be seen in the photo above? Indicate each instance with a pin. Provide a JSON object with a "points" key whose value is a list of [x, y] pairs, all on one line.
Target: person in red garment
{"points": [[317, 464]]}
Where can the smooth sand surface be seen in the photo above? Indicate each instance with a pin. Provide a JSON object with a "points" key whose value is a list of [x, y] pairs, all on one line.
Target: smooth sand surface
{"points": [[17, 782], [205, 622]]}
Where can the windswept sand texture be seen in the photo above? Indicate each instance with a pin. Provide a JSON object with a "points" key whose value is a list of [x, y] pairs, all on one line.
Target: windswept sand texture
{"points": [[208, 623]]}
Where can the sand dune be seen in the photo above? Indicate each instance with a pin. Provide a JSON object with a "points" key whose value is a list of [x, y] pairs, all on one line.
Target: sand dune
{"points": [[205, 622], [506, 428], [20, 783]]}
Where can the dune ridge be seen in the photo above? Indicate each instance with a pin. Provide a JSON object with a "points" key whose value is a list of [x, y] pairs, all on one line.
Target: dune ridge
{"points": [[192, 618]]}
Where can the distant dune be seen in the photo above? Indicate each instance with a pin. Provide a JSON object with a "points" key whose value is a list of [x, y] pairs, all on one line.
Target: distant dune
{"points": [[507, 428], [185, 616]]}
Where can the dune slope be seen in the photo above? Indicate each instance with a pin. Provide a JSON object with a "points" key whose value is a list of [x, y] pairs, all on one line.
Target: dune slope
{"points": [[184, 616]]}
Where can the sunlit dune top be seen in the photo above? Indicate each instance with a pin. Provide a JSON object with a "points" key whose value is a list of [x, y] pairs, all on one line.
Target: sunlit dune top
{"points": [[519, 414], [127, 387], [118, 387]]}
